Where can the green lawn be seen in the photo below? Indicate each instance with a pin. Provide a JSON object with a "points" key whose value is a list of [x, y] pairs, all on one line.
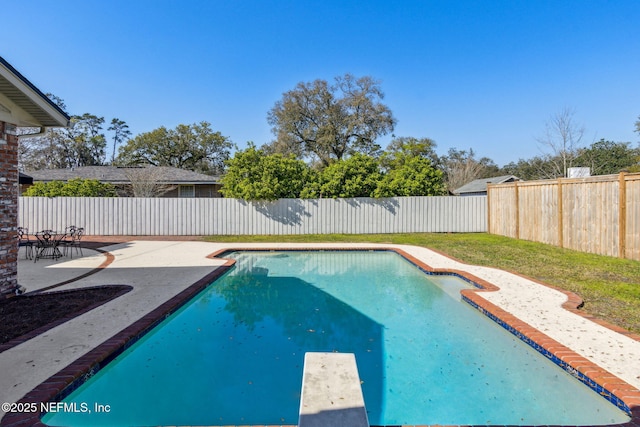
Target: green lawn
{"points": [[610, 287]]}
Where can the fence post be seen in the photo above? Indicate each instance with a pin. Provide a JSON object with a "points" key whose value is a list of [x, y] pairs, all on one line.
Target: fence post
{"points": [[517, 201], [489, 208], [622, 215], [560, 216]]}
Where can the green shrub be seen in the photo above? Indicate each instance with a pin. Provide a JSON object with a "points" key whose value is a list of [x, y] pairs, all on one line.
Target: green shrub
{"points": [[76, 187]]}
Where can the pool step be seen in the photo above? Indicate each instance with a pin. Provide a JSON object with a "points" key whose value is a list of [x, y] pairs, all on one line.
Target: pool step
{"points": [[331, 392]]}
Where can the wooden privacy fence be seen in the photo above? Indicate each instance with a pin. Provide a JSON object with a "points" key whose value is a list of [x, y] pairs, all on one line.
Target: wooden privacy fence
{"points": [[599, 214], [203, 216]]}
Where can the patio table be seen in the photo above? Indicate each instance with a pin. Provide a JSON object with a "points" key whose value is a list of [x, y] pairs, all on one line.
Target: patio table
{"points": [[48, 244]]}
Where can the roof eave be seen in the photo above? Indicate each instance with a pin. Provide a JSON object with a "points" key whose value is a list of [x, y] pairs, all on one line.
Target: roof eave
{"points": [[32, 97], [192, 182]]}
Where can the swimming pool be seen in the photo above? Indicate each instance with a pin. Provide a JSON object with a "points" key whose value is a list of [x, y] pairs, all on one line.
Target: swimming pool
{"points": [[233, 355]]}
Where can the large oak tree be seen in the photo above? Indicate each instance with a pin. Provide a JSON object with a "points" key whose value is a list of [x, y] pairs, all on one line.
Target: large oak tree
{"points": [[193, 147], [330, 121]]}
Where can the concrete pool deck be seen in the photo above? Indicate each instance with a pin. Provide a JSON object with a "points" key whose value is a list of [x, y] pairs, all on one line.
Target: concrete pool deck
{"points": [[159, 270]]}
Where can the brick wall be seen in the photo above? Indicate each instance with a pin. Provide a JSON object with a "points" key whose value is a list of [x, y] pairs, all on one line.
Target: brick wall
{"points": [[8, 213]]}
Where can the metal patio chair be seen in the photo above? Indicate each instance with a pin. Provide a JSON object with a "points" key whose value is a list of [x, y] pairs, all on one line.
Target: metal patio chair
{"points": [[72, 240], [24, 241], [67, 239]]}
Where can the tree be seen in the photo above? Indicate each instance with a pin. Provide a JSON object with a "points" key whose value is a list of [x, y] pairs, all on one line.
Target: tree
{"points": [[252, 175], [602, 157], [461, 167], [638, 125], [537, 167], [415, 176], [357, 176], [41, 152], [76, 187], [83, 144], [563, 137], [193, 147], [120, 133], [608, 157], [330, 122], [86, 142], [403, 148], [285, 145], [410, 169], [147, 181]]}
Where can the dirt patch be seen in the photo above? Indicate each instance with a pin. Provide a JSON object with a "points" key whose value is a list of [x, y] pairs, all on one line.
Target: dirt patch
{"points": [[25, 316]]}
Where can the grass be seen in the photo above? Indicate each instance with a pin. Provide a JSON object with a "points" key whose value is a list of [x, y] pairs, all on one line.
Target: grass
{"points": [[610, 287]]}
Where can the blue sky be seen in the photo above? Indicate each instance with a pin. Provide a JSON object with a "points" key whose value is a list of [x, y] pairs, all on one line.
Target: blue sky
{"points": [[485, 75]]}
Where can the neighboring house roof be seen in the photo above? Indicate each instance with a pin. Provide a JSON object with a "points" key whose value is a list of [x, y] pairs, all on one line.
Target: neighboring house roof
{"points": [[123, 175], [24, 179], [21, 100], [480, 185]]}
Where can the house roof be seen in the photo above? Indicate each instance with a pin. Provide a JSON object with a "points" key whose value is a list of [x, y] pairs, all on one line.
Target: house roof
{"points": [[480, 185], [24, 178], [124, 175], [26, 103]]}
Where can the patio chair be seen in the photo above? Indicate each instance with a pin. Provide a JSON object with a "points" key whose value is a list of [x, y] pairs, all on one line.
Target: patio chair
{"points": [[24, 241], [72, 240], [67, 239]]}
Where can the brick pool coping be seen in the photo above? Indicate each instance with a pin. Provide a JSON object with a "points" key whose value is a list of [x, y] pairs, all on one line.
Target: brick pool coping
{"points": [[617, 391]]}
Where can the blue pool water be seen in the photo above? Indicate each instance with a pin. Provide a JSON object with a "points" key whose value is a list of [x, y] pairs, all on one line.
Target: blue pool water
{"points": [[234, 354]]}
